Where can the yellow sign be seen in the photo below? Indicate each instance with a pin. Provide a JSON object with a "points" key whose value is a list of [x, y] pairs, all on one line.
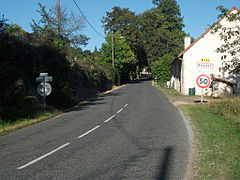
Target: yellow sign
{"points": [[205, 60]]}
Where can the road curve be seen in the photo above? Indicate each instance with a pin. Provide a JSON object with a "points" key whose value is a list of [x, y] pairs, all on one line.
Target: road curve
{"points": [[133, 133]]}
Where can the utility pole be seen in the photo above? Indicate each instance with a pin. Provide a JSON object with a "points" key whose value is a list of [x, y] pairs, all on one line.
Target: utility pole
{"points": [[112, 50], [59, 16]]}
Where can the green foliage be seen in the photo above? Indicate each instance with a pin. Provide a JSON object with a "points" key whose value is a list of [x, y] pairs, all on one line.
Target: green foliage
{"points": [[151, 34], [171, 10], [75, 74], [161, 29], [230, 37], [161, 69], [223, 11], [124, 58], [2, 24], [125, 22], [47, 30]]}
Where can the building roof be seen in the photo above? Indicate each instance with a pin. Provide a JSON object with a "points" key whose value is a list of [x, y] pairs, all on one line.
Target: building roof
{"points": [[209, 29]]}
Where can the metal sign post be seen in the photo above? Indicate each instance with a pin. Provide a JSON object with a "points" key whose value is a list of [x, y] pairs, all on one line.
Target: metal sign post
{"points": [[44, 88]]}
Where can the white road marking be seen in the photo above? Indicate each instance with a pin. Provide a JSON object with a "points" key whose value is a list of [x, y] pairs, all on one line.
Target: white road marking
{"points": [[110, 118], [55, 150], [45, 155], [86, 133], [119, 110]]}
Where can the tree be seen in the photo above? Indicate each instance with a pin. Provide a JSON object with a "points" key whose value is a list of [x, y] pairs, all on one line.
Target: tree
{"points": [[126, 22], [161, 69], [2, 24], [124, 57], [161, 31], [171, 11], [231, 41], [47, 29], [14, 29]]}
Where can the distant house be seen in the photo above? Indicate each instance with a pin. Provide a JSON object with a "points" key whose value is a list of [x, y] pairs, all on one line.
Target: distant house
{"points": [[201, 57]]}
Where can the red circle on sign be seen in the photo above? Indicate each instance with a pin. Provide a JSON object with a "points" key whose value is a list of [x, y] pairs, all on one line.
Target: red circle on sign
{"points": [[201, 81]]}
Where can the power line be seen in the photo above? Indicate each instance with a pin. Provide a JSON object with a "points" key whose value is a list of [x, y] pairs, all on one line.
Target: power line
{"points": [[87, 20]]}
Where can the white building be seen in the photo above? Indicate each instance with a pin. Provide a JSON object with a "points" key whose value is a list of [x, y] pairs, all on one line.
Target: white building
{"points": [[201, 57]]}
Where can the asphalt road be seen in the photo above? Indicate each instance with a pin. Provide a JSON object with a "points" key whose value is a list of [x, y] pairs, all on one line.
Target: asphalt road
{"points": [[132, 133]]}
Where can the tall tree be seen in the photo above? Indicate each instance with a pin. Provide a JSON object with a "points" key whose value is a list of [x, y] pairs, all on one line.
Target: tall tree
{"points": [[126, 22], [171, 10], [124, 57], [56, 22], [160, 35]]}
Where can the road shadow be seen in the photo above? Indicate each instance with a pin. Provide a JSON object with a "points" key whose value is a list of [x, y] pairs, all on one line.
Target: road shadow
{"points": [[199, 101], [112, 94], [91, 101], [164, 168], [141, 80]]}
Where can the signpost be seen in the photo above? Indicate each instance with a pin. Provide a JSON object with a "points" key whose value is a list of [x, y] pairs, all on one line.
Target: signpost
{"points": [[203, 81], [44, 88]]}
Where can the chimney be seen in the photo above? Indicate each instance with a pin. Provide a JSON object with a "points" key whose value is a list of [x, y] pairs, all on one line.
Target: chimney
{"points": [[187, 42]]}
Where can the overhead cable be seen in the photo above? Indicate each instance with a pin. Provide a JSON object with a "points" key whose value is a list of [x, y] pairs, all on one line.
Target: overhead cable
{"points": [[87, 20]]}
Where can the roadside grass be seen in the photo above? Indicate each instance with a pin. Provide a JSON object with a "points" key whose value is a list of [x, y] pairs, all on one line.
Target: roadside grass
{"points": [[227, 108], [169, 91], [217, 143], [216, 129], [40, 115], [32, 114]]}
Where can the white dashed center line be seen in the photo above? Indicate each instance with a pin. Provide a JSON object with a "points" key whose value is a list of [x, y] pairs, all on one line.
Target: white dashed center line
{"points": [[86, 133], [119, 110], [45, 155], [110, 118], [57, 149]]}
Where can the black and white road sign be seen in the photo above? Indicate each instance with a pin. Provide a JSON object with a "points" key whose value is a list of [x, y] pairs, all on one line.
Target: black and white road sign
{"points": [[40, 89], [203, 81]]}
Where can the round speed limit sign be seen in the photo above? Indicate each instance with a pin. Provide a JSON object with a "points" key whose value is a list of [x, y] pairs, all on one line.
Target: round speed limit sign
{"points": [[203, 81]]}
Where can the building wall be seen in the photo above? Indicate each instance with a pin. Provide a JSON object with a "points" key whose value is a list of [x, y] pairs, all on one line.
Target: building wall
{"points": [[205, 50]]}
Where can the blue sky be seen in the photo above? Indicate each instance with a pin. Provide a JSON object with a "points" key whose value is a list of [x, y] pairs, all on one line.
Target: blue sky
{"points": [[197, 14]]}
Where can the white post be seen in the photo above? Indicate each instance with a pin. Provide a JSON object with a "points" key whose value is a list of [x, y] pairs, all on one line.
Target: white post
{"points": [[44, 92], [202, 96]]}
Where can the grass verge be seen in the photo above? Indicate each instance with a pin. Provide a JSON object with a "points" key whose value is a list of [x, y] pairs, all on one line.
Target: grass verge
{"points": [[217, 143], [42, 115], [216, 129]]}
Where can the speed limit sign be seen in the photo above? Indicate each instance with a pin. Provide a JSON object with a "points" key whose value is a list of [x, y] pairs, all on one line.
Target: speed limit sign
{"points": [[203, 81]]}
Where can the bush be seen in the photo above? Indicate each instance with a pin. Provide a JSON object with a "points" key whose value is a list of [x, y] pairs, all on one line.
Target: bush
{"points": [[161, 69]]}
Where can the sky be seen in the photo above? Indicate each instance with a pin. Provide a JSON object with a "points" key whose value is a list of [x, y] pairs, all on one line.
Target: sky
{"points": [[197, 15]]}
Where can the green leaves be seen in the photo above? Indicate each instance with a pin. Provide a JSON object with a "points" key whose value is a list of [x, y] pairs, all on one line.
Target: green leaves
{"points": [[150, 35], [161, 69], [47, 28], [230, 37], [124, 58], [161, 30]]}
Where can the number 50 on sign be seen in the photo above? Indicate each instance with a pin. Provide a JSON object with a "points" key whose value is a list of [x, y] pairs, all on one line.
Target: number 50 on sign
{"points": [[203, 81]]}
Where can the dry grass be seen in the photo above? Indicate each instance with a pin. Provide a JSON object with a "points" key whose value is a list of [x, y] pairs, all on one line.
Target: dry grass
{"points": [[21, 123], [227, 108]]}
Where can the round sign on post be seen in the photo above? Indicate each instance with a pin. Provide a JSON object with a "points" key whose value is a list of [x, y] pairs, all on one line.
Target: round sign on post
{"points": [[203, 81], [40, 89]]}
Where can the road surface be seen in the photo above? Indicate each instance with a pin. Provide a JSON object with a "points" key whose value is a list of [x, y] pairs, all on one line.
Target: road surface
{"points": [[133, 133]]}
